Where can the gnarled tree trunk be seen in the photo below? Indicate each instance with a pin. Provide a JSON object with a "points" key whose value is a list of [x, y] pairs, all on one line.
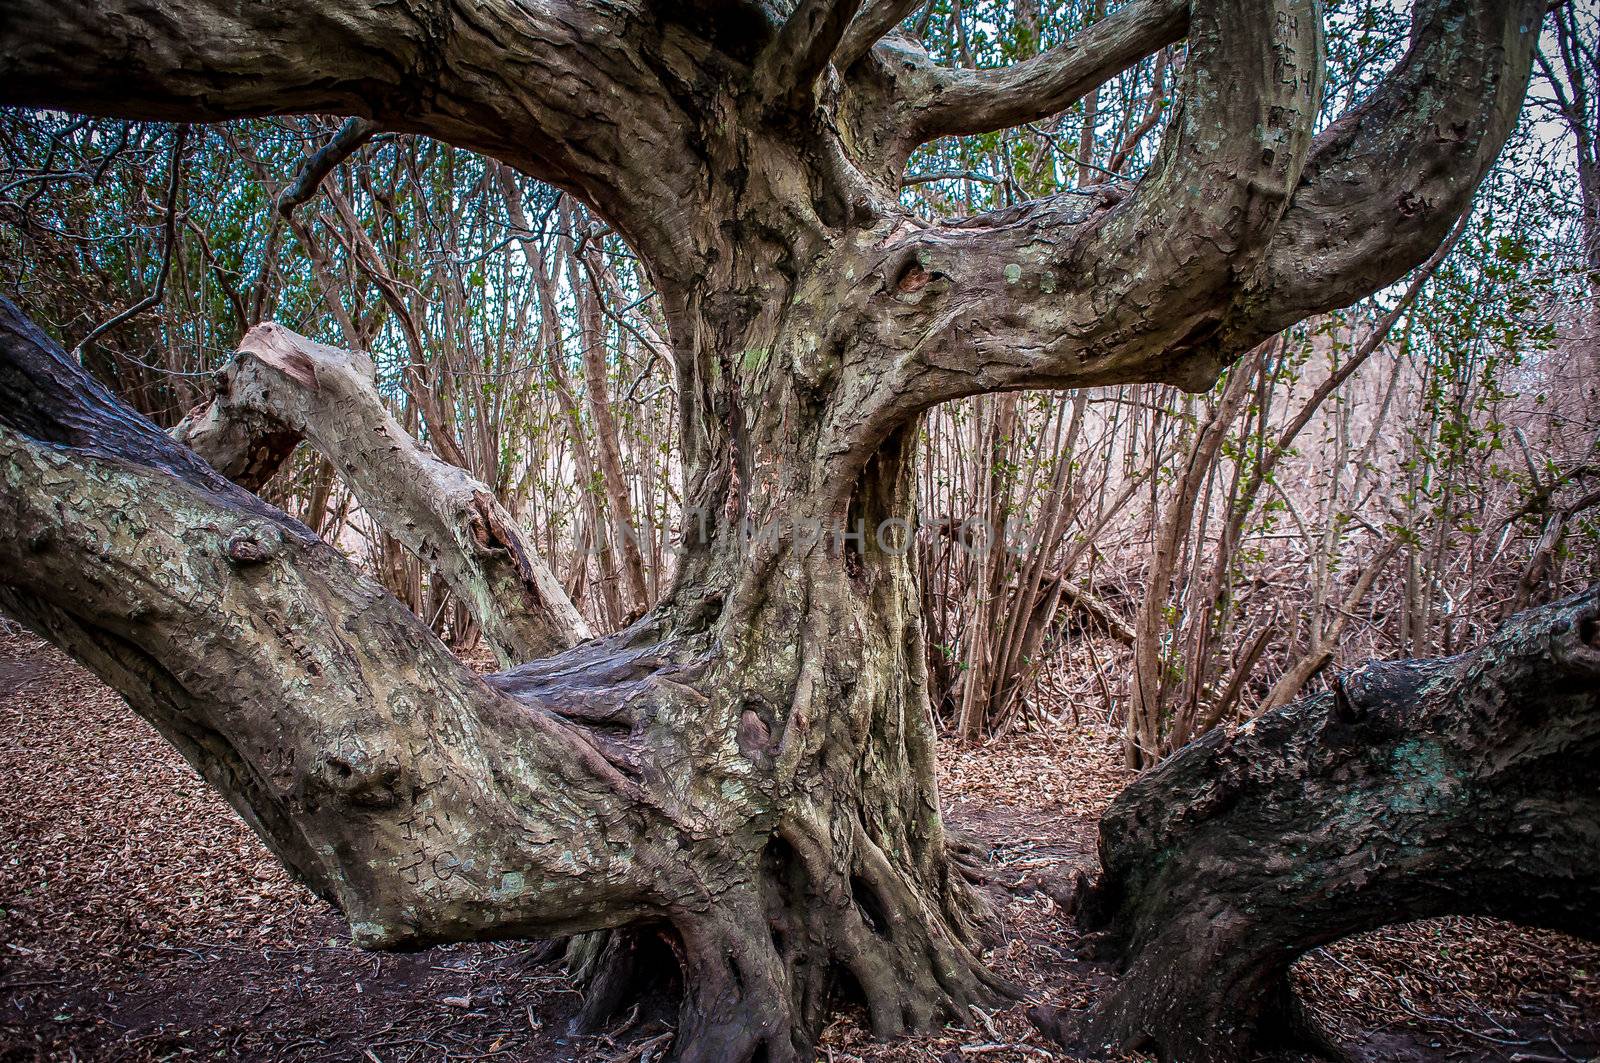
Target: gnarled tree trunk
{"points": [[749, 767], [1458, 786]]}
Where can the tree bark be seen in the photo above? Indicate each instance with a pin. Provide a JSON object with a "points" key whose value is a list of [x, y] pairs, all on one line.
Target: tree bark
{"points": [[803, 853], [1413, 789], [749, 767], [281, 387]]}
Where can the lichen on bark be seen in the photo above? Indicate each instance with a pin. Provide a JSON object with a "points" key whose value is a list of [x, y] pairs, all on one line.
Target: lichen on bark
{"points": [[748, 768]]}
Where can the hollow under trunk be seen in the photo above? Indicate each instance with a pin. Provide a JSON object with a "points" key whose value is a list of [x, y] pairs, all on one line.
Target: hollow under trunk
{"points": [[1413, 789]]}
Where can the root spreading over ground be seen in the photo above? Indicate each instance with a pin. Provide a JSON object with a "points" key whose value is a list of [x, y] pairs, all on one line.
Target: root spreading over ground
{"points": [[141, 920]]}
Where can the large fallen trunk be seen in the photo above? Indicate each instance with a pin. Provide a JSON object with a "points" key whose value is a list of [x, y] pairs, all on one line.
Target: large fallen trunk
{"points": [[282, 387], [1460, 786]]}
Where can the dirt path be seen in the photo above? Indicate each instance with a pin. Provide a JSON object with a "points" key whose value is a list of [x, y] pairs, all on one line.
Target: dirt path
{"points": [[140, 920]]}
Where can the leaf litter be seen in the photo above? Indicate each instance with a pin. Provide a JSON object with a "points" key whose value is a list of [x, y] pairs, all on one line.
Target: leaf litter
{"points": [[140, 919]]}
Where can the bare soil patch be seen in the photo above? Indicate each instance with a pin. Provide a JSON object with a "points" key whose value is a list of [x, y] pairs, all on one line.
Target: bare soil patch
{"points": [[141, 920]]}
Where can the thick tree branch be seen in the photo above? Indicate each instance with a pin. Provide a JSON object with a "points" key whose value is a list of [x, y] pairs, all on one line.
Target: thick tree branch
{"points": [[1228, 240], [787, 72], [207, 60], [425, 803], [977, 101], [876, 21], [1385, 183], [575, 94], [1092, 288], [282, 386]]}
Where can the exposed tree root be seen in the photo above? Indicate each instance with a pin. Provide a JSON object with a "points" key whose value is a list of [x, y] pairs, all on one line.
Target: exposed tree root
{"points": [[760, 970]]}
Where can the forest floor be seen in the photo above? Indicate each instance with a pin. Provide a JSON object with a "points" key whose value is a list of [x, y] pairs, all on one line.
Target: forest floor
{"points": [[141, 920]]}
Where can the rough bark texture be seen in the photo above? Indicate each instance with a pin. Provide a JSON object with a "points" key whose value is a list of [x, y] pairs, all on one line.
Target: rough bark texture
{"points": [[387, 775], [432, 805], [749, 767], [282, 387], [1458, 786]]}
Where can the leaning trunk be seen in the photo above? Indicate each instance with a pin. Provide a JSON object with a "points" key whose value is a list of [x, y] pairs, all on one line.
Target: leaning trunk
{"points": [[1460, 786], [754, 758]]}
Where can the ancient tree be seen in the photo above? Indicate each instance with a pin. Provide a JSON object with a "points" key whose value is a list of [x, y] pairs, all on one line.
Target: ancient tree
{"points": [[747, 770]]}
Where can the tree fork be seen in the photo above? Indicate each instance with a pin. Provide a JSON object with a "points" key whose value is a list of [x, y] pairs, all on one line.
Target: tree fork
{"points": [[750, 764], [1412, 789]]}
